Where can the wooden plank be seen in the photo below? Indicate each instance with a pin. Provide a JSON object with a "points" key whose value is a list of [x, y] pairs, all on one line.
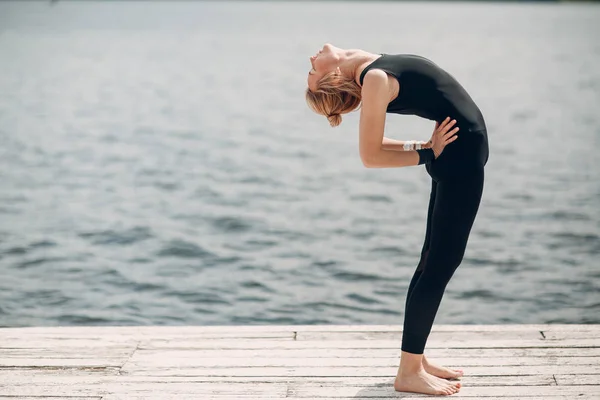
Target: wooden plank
{"points": [[311, 390], [67, 357], [93, 362], [152, 396], [15, 372], [3, 397], [386, 353], [299, 387], [301, 390], [26, 342], [91, 383], [459, 396], [126, 338], [68, 334], [118, 335], [170, 389], [560, 335], [66, 352], [84, 330], [436, 353], [434, 336], [304, 390], [194, 358], [395, 352], [407, 396], [186, 330], [131, 368], [573, 379], [191, 343], [403, 396], [111, 336], [569, 327]]}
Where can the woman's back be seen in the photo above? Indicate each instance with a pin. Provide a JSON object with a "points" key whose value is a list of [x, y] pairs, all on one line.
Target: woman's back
{"points": [[428, 91]]}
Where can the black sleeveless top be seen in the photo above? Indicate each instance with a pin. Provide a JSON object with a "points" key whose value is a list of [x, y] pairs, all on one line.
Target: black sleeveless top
{"points": [[426, 90]]}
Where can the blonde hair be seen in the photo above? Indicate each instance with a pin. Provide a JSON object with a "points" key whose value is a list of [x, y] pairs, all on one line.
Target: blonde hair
{"points": [[334, 95]]}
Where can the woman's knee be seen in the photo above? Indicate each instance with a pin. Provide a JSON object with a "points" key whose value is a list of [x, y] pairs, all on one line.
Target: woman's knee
{"points": [[436, 280], [441, 270]]}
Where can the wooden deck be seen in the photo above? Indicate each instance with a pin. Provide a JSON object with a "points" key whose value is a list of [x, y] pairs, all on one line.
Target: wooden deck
{"points": [[299, 361]]}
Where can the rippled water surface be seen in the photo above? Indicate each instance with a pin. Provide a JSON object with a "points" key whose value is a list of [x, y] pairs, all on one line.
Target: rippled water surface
{"points": [[159, 165]]}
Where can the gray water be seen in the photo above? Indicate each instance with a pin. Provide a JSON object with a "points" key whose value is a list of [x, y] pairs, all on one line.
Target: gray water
{"points": [[158, 165]]}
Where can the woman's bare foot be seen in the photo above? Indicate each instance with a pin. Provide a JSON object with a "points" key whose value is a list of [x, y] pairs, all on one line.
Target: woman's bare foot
{"points": [[421, 381], [441, 372]]}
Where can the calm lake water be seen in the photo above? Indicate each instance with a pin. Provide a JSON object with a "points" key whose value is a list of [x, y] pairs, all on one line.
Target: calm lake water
{"points": [[159, 165]]}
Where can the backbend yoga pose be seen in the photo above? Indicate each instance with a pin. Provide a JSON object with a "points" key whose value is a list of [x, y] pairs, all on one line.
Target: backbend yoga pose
{"points": [[338, 83]]}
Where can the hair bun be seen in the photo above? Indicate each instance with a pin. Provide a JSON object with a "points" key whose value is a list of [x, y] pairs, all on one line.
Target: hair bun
{"points": [[334, 119]]}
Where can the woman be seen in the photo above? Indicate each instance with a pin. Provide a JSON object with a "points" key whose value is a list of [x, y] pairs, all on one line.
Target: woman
{"points": [[342, 80]]}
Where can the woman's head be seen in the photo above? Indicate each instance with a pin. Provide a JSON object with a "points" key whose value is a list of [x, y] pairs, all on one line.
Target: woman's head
{"points": [[330, 92]]}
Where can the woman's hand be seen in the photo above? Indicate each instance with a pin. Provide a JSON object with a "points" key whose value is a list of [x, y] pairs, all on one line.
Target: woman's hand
{"points": [[442, 135]]}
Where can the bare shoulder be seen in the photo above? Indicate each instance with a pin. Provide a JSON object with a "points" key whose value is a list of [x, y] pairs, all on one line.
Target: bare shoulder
{"points": [[375, 78], [375, 88]]}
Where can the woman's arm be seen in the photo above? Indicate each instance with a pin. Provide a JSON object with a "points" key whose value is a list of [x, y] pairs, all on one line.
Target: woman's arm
{"points": [[375, 98], [398, 145]]}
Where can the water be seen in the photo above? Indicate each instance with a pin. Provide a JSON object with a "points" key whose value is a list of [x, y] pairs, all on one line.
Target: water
{"points": [[159, 165]]}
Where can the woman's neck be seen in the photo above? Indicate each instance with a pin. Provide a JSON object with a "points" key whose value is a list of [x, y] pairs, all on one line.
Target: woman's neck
{"points": [[353, 61]]}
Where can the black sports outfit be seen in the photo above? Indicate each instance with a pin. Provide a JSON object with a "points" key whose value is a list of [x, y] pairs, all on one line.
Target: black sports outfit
{"points": [[457, 176]]}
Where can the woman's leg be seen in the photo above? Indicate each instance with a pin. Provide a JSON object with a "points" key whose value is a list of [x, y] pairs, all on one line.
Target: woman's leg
{"points": [[456, 205], [414, 374], [425, 248]]}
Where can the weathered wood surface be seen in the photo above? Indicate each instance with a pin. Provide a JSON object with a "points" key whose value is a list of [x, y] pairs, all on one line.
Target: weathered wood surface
{"points": [[294, 361]]}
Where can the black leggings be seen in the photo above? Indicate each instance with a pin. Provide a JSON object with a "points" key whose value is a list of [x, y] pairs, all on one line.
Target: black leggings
{"points": [[456, 190]]}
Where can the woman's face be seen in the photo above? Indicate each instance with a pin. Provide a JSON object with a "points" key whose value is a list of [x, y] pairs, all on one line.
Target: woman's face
{"points": [[322, 63]]}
